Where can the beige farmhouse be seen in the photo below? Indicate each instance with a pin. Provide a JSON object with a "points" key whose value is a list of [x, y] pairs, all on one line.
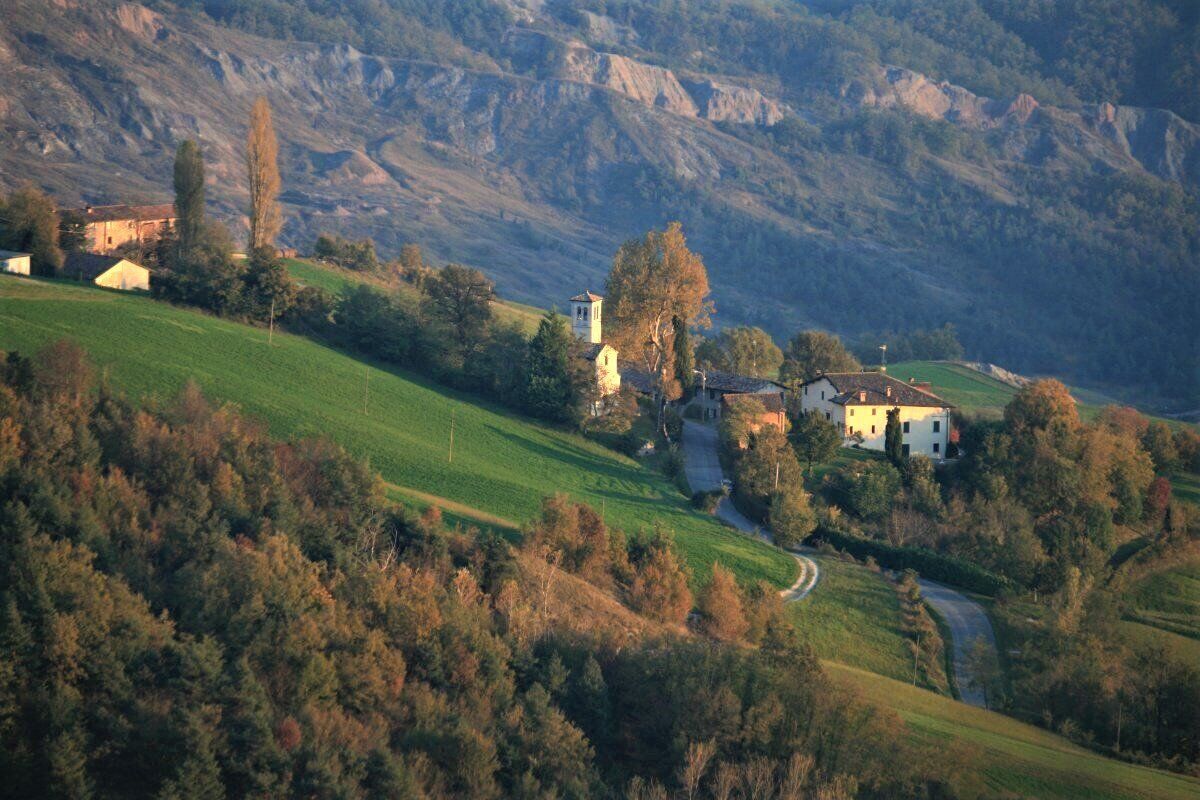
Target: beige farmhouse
{"points": [[107, 228], [14, 263], [108, 271], [586, 310], [858, 402]]}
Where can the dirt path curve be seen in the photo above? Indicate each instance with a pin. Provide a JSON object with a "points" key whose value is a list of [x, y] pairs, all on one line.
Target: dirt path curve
{"points": [[968, 622], [702, 465]]}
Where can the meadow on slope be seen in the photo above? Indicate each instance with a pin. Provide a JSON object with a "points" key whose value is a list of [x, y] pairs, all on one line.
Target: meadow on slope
{"points": [[502, 464], [1006, 758]]}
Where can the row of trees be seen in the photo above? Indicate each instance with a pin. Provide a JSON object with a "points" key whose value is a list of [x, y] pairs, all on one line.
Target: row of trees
{"points": [[192, 609]]}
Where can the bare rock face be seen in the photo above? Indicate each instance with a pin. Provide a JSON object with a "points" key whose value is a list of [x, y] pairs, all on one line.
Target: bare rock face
{"points": [[658, 87], [721, 102], [898, 87], [1163, 142], [654, 86]]}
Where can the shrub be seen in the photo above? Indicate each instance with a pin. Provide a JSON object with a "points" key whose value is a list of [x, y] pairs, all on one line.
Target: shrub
{"points": [[708, 501], [929, 564]]}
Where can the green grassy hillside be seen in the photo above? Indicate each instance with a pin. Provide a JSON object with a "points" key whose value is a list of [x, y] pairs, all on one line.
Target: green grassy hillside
{"points": [[335, 279], [1169, 601], [1006, 756], [502, 464], [853, 617]]}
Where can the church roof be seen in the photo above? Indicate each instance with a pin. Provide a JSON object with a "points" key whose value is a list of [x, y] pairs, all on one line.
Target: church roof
{"points": [[592, 351], [586, 297]]}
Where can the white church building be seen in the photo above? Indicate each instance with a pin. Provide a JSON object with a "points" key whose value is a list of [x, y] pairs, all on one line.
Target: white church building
{"points": [[586, 322]]}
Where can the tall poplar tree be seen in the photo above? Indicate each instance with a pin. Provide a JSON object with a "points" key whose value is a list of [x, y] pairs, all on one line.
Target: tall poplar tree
{"points": [[262, 157], [189, 193], [656, 280]]}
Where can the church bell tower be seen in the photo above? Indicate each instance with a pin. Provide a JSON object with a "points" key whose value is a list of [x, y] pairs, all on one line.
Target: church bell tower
{"points": [[585, 316]]}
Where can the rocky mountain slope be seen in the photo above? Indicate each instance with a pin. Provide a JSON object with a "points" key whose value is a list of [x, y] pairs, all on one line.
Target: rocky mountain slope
{"points": [[989, 213]]}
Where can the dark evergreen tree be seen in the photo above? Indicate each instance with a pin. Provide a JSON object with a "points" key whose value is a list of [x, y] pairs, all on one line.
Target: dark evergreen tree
{"points": [[189, 193], [893, 437], [553, 389]]}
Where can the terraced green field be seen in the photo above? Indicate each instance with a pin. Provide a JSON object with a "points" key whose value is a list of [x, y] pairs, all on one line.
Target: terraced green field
{"points": [[1169, 601], [853, 617], [502, 464], [1009, 758]]}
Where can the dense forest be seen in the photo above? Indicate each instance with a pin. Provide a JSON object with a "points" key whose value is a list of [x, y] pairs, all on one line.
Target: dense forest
{"points": [[192, 609]]}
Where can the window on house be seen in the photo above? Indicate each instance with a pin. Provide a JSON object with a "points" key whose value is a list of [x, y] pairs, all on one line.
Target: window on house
{"points": [[712, 394], [872, 429], [937, 426], [852, 412], [873, 410], [806, 391], [822, 394], [110, 240], [851, 430], [904, 450], [937, 447], [906, 427], [826, 415]]}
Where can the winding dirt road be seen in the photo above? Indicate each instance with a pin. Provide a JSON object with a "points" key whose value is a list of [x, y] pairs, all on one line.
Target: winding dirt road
{"points": [[702, 465]]}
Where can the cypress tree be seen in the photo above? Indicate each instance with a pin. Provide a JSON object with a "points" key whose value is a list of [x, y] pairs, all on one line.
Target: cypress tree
{"points": [[189, 193], [893, 437]]}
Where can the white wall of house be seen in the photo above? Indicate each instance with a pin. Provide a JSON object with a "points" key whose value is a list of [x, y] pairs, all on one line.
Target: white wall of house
{"points": [[17, 264], [926, 428], [125, 275]]}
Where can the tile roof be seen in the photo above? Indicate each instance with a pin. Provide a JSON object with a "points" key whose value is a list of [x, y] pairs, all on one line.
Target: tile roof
{"points": [[850, 387], [12, 254], [740, 384], [770, 402], [586, 297], [639, 380], [122, 212], [591, 351]]}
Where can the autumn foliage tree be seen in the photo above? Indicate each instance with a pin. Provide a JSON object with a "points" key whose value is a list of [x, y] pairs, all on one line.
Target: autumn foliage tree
{"points": [[262, 169], [656, 284], [720, 604]]}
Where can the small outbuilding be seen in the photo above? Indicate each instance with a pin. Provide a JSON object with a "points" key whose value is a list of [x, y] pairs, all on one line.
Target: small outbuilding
{"points": [[111, 272], [14, 263]]}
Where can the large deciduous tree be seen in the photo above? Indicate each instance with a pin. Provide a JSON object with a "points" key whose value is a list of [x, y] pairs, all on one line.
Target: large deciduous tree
{"points": [[189, 193], [741, 350], [810, 353], [29, 224], [262, 167], [815, 440], [462, 298], [656, 280]]}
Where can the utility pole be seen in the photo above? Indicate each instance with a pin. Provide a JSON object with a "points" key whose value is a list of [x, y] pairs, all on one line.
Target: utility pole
{"points": [[271, 326], [777, 476], [883, 358], [450, 460]]}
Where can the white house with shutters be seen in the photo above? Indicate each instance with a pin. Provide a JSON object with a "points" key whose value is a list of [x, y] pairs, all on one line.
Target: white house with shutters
{"points": [[586, 321], [858, 402]]}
